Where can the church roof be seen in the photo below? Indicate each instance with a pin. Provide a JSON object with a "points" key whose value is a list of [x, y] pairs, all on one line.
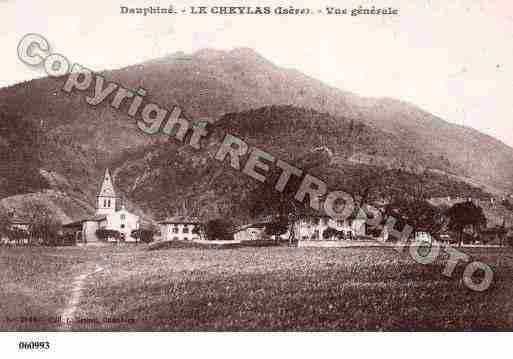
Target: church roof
{"points": [[96, 218], [107, 189], [73, 224]]}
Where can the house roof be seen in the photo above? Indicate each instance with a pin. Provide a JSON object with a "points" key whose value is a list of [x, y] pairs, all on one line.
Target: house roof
{"points": [[95, 218], [261, 222], [72, 224], [20, 221], [258, 222], [181, 220], [246, 226], [16, 218]]}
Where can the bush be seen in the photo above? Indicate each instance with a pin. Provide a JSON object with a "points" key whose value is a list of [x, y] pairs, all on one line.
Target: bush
{"points": [[143, 235], [218, 229], [106, 234]]}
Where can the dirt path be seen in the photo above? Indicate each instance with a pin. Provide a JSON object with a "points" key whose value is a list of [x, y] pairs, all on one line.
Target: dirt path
{"points": [[68, 315]]}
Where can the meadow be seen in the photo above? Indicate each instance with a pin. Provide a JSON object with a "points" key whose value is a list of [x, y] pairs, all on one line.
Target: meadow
{"points": [[130, 288]]}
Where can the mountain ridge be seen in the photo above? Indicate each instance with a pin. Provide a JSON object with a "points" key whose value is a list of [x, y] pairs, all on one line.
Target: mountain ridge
{"points": [[78, 141]]}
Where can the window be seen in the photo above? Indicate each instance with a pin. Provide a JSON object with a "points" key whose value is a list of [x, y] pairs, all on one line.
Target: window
{"points": [[104, 203], [185, 238], [122, 225], [108, 203], [123, 216], [185, 229], [175, 229]]}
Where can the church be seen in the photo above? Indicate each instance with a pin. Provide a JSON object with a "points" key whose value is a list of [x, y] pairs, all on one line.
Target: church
{"points": [[108, 216]]}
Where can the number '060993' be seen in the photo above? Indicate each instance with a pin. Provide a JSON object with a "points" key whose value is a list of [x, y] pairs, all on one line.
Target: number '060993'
{"points": [[34, 345]]}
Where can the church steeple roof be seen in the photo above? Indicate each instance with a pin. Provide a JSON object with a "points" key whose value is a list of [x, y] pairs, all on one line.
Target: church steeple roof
{"points": [[107, 189]]}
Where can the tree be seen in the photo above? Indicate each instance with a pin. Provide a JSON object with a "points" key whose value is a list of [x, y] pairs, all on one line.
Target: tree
{"points": [[463, 215], [417, 213], [506, 203], [43, 227], [265, 200], [143, 235], [218, 229], [9, 231], [277, 227]]}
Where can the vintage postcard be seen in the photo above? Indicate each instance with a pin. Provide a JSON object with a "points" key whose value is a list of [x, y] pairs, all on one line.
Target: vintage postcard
{"points": [[262, 166]]}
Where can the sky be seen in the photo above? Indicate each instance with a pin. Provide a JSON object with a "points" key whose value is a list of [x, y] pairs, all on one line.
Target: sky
{"points": [[453, 59]]}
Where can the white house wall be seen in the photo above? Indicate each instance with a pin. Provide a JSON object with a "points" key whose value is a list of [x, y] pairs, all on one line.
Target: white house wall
{"points": [[250, 234], [89, 229], [175, 231]]}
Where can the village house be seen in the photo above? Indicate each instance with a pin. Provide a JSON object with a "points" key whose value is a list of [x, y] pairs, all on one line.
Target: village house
{"points": [[308, 227], [108, 216], [254, 231], [314, 227], [250, 232], [21, 225], [17, 221], [180, 228]]}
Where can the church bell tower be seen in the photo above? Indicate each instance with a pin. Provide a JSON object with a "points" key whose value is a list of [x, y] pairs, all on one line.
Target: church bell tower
{"points": [[107, 197]]}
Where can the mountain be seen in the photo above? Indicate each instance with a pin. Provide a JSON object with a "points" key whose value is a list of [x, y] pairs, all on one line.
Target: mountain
{"points": [[169, 177], [211, 83], [280, 110]]}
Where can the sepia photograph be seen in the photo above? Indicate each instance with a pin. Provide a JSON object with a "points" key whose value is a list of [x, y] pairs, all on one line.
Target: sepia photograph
{"points": [[226, 168]]}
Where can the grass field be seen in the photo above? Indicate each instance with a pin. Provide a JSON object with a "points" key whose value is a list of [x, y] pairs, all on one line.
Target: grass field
{"points": [[271, 288]]}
